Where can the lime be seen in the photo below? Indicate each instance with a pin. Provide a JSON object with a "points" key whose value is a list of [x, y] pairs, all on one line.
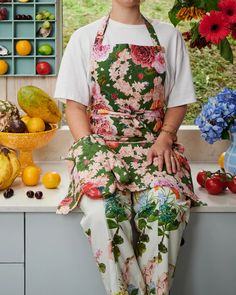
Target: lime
{"points": [[45, 49]]}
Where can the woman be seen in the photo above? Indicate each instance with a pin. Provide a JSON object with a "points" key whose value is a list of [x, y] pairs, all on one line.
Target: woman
{"points": [[133, 75]]}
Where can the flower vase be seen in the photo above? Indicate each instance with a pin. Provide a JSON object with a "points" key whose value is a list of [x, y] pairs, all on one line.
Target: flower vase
{"points": [[230, 155]]}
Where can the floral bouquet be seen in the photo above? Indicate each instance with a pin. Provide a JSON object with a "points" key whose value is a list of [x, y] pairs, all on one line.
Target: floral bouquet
{"points": [[218, 116], [215, 23]]}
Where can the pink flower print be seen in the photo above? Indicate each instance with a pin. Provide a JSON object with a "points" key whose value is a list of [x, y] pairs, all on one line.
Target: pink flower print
{"points": [[66, 201], [98, 254], [148, 271], [159, 63], [162, 284], [143, 55], [109, 249], [101, 52], [70, 165]]}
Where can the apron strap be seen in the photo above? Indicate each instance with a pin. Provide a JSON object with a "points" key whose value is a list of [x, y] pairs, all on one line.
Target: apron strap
{"points": [[149, 26]]}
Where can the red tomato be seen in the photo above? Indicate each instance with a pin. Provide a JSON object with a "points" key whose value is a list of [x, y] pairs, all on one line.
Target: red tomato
{"points": [[214, 185], [223, 178], [201, 177], [43, 68], [232, 185]]}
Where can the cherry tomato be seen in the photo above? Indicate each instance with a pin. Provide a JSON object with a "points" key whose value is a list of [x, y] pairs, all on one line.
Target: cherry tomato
{"points": [[214, 185], [223, 178], [232, 184], [201, 177]]}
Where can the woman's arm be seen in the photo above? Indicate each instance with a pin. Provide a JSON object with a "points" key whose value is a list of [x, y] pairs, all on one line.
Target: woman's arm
{"points": [[162, 148], [77, 119]]}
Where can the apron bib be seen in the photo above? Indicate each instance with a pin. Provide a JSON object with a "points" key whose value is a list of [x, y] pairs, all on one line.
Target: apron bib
{"points": [[128, 107]]}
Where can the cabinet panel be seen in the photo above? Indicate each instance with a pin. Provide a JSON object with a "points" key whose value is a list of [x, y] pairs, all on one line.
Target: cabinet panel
{"points": [[58, 257], [11, 237], [207, 261], [12, 279]]}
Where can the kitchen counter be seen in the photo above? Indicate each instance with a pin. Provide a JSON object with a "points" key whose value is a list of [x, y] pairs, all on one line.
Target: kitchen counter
{"points": [[225, 202]]}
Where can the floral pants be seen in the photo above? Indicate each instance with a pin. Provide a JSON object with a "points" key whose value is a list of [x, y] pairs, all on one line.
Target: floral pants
{"points": [[143, 265]]}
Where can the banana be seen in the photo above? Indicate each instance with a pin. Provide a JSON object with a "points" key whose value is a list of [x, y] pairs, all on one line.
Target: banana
{"points": [[11, 168]]}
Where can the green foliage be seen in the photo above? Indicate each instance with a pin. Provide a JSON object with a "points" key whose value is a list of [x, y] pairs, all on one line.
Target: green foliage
{"points": [[210, 71]]}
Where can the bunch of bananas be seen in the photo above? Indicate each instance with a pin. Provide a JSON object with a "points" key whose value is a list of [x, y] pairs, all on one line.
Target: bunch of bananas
{"points": [[10, 167], [188, 13]]}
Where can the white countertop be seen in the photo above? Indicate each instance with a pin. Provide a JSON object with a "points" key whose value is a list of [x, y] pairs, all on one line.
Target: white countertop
{"points": [[225, 202]]}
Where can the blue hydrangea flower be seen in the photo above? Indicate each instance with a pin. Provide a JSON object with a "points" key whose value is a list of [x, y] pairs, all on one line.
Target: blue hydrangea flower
{"points": [[218, 116]]}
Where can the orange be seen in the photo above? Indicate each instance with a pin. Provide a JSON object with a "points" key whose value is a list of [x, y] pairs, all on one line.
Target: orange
{"points": [[35, 125], [221, 160], [23, 47], [3, 67], [25, 119], [31, 175], [51, 179]]}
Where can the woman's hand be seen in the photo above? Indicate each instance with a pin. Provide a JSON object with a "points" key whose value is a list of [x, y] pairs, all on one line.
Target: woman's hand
{"points": [[162, 149]]}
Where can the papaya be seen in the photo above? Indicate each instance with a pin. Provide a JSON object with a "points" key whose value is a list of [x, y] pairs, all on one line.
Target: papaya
{"points": [[37, 103]]}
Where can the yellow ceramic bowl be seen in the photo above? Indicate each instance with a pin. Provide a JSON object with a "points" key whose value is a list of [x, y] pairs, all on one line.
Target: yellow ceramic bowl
{"points": [[25, 143]]}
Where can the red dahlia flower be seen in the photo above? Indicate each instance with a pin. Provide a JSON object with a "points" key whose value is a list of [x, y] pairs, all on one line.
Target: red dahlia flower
{"points": [[228, 8], [214, 27]]}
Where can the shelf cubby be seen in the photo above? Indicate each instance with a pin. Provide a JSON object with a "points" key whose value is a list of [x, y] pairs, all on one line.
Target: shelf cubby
{"points": [[14, 29]]}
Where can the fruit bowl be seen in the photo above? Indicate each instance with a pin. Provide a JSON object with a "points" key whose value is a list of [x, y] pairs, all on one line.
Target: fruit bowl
{"points": [[25, 143]]}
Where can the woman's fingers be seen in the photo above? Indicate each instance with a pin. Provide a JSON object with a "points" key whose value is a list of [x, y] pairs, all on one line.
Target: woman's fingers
{"points": [[149, 156], [173, 163]]}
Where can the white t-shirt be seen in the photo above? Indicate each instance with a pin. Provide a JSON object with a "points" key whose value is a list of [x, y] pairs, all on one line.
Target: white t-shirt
{"points": [[74, 78]]}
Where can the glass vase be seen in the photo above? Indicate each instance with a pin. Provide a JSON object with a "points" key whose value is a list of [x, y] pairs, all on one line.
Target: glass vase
{"points": [[230, 155]]}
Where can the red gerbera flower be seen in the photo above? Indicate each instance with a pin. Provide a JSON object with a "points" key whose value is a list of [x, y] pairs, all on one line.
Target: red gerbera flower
{"points": [[228, 8], [214, 27], [233, 28]]}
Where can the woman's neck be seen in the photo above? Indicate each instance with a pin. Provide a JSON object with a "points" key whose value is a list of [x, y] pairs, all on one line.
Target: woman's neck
{"points": [[126, 15]]}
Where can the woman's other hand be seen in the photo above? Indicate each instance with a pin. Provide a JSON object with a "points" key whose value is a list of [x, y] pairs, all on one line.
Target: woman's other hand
{"points": [[162, 149]]}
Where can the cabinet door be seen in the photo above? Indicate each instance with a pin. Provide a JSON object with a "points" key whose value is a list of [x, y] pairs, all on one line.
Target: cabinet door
{"points": [[207, 261], [11, 237], [12, 279], [58, 257]]}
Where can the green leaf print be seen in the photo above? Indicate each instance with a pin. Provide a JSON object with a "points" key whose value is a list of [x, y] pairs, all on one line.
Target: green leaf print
{"points": [[102, 267], [134, 292], [140, 249], [185, 180], [173, 226], [152, 217], [144, 238], [160, 232], [116, 252], [112, 224], [162, 248], [142, 224], [122, 217], [118, 239], [159, 258], [88, 232]]}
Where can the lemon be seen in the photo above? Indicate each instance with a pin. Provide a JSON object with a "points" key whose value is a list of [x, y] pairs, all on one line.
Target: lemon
{"points": [[3, 67], [25, 119], [221, 160], [23, 47], [35, 125], [51, 179]]}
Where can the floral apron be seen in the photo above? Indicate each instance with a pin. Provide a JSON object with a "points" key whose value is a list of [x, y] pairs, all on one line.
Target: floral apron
{"points": [[126, 115]]}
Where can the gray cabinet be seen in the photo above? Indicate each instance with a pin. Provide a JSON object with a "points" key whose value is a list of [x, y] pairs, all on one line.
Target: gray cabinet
{"points": [[11, 237], [59, 260], [12, 253], [207, 261], [12, 279], [58, 257]]}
